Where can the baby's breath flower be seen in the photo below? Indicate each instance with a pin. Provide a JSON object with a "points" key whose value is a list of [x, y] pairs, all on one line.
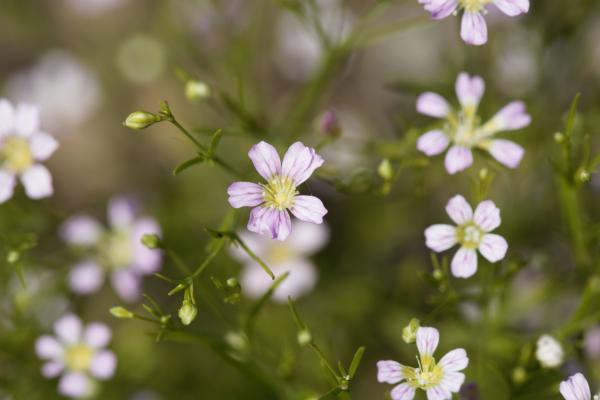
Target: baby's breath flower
{"points": [[549, 352], [577, 388]]}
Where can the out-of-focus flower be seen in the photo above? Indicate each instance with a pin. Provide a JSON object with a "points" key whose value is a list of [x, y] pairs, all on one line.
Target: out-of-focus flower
{"points": [[549, 352], [78, 354], [92, 8], [473, 27], [141, 59], [22, 147], [117, 251], [471, 233], [289, 256], [439, 379], [329, 124], [196, 90], [67, 92], [591, 343], [271, 201], [576, 388], [463, 131]]}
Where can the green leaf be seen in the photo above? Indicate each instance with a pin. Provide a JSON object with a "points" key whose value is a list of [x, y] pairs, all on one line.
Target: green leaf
{"points": [[572, 114], [358, 355], [214, 142], [189, 163]]}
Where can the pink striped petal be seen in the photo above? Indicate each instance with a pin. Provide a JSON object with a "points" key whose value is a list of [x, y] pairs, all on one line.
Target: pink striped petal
{"points": [[433, 104], [455, 360], [309, 209], [469, 89], [487, 216], [440, 9], [427, 340], [464, 263], [459, 210], [512, 8], [458, 158], [403, 392], [493, 247], [270, 222], [265, 159], [300, 162], [473, 28], [506, 152], [576, 388], [511, 117], [389, 371], [433, 142], [440, 237], [245, 194]]}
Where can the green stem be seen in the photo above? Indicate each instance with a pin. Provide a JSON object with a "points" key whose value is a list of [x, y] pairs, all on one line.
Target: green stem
{"points": [[186, 133], [216, 249], [572, 212]]}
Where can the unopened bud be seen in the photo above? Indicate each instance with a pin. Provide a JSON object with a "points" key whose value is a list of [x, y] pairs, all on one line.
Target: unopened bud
{"points": [[329, 124], [583, 175], [519, 375], [385, 170], [409, 333], [141, 120], [151, 241], [121, 312], [13, 256], [304, 337], [196, 90], [559, 137], [187, 312]]}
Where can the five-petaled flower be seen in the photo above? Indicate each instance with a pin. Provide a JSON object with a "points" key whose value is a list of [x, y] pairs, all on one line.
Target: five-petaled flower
{"points": [[438, 379], [77, 353], [463, 131], [22, 147], [473, 27], [577, 388], [271, 201], [117, 251], [471, 233]]}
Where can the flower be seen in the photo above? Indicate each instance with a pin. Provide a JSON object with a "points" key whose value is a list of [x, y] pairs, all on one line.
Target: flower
{"points": [[591, 343], [271, 201], [118, 250], [22, 147], [463, 130], [577, 388], [289, 256], [77, 353], [473, 27], [549, 352], [471, 233], [439, 379]]}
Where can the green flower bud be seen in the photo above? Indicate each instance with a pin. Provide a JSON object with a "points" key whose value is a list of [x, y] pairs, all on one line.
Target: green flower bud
{"points": [[304, 337], [583, 175], [121, 312], [187, 312], [385, 170], [559, 137], [13, 256], [196, 90], [151, 241], [409, 333], [141, 120], [519, 375]]}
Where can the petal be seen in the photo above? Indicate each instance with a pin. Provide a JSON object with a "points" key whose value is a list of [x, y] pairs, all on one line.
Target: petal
{"points": [[68, 329], [511, 117], [452, 381], [459, 210], [37, 181], [27, 120], [127, 284], [86, 277], [506, 152], [438, 393], [81, 230], [433, 104], [469, 90], [464, 263], [103, 365], [7, 185], [271, 222], [440, 9], [74, 384], [455, 360], [145, 260], [42, 146], [403, 392], [512, 8], [576, 388], [389, 371], [309, 209], [245, 194], [48, 348], [97, 335], [427, 340], [487, 216], [300, 162], [440, 237], [121, 212], [7, 117], [473, 29], [301, 280], [307, 238], [265, 159], [52, 369], [433, 142], [493, 247], [457, 159]]}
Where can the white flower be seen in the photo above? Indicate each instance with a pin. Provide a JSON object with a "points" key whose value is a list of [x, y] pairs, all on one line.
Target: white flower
{"points": [[472, 234], [549, 352], [576, 388], [22, 147], [439, 379], [289, 256], [77, 353]]}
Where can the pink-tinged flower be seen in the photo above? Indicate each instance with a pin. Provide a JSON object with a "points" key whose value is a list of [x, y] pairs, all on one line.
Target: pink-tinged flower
{"points": [[472, 233], [22, 147], [473, 27], [438, 379], [290, 256], [77, 354], [462, 130], [117, 251], [576, 388], [273, 200]]}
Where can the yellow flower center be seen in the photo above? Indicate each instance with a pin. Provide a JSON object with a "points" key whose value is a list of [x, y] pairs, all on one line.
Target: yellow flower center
{"points": [[279, 192], [474, 5], [469, 235], [79, 357], [428, 375], [17, 154], [117, 249]]}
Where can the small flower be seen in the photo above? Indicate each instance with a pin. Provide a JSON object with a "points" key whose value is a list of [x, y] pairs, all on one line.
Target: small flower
{"points": [[439, 379], [77, 353], [271, 201], [117, 251], [549, 352], [22, 147], [591, 343], [463, 130], [473, 27], [471, 233], [289, 256], [576, 388]]}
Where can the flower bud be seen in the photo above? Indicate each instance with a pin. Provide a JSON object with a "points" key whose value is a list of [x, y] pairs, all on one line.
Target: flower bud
{"points": [[196, 90], [151, 241], [583, 175], [13, 256], [559, 137], [519, 375], [304, 337], [483, 173], [549, 352], [385, 170], [329, 124], [141, 120], [121, 312], [409, 333], [187, 312]]}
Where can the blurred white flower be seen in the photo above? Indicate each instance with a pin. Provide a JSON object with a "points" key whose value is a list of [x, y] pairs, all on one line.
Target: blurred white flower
{"points": [[78, 354], [67, 92], [22, 147], [117, 251], [292, 255], [141, 59], [92, 8], [549, 352]]}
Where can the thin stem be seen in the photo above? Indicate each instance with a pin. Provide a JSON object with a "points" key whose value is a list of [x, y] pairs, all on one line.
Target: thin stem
{"points": [[209, 258], [186, 133], [572, 212], [227, 167]]}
